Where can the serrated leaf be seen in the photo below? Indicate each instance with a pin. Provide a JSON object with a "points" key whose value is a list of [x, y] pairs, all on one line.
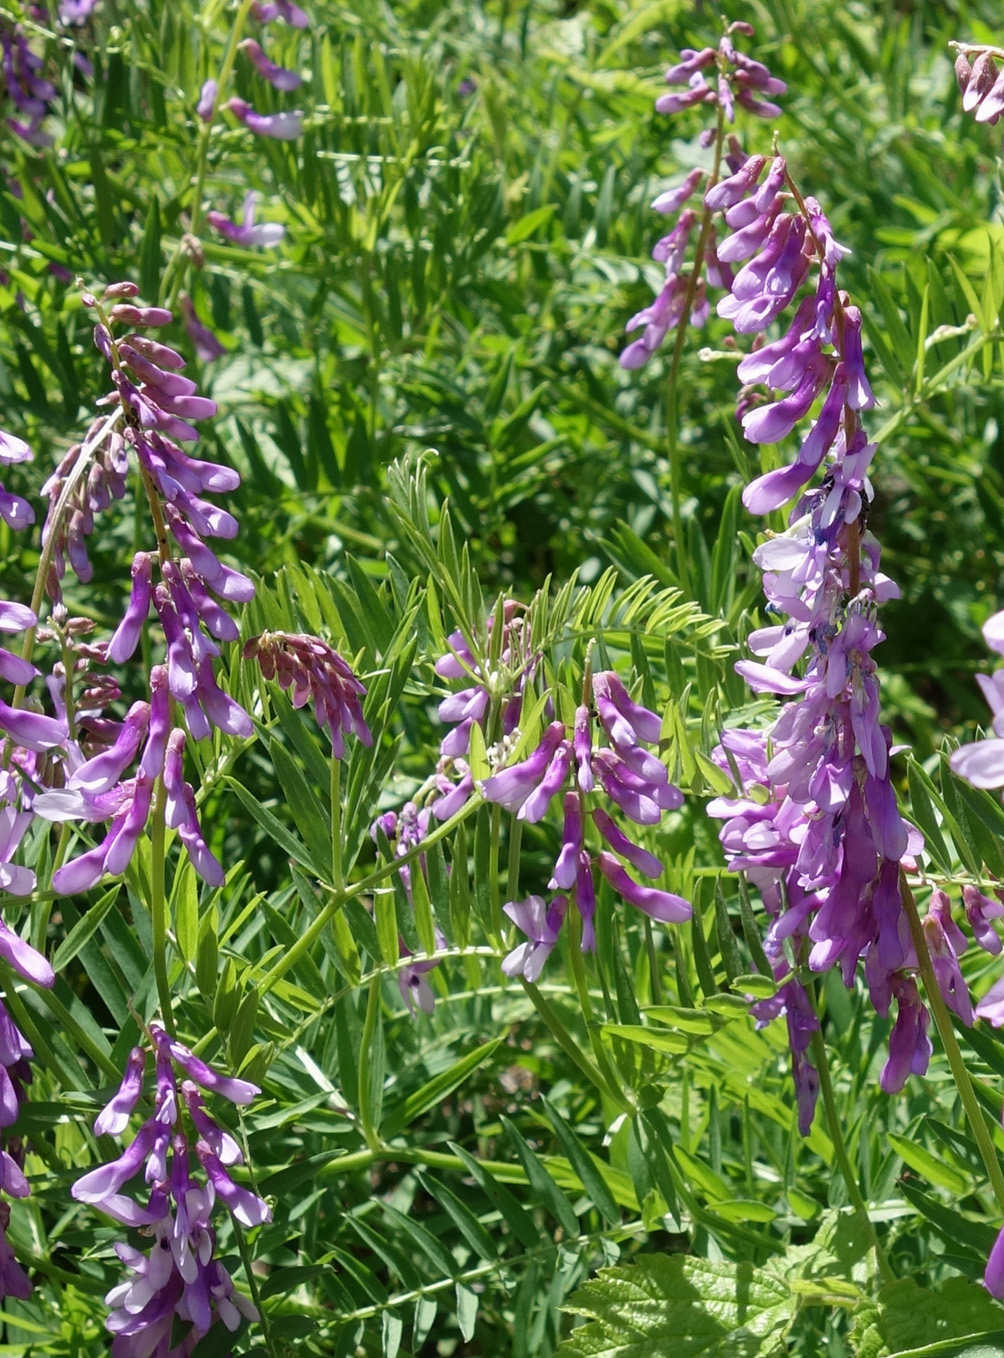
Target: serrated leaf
{"points": [[914, 1322], [680, 1307]]}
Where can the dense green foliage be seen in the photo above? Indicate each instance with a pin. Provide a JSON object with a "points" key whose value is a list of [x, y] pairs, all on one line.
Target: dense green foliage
{"points": [[421, 393]]}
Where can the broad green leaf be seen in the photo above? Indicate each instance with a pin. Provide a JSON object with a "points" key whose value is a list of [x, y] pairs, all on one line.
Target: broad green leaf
{"points": [[680, 1307]]}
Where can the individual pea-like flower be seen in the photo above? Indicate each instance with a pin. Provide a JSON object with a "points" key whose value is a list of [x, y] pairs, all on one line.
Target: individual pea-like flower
{"points": [[980, 80], [178, 1287], [207, 347], [308, 669], [278, 126], [541, 922], [247, 233], [277, 76]]}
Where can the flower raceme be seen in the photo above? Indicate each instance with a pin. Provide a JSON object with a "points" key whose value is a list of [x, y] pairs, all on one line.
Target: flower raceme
{"points": [[179, 1282], [736, 78], [817, 829], [580, 767], [182, 579]]}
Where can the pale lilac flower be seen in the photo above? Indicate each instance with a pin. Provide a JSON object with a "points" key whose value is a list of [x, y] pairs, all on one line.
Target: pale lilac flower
{"points": [[207, 347], [247, 233], [276, 76], [980, 911], [541, 924], [279, 126], [265, 11], [207, 101]]}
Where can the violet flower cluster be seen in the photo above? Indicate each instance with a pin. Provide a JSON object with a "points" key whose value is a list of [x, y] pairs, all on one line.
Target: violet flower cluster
{"points": [[15, 1073], [308, 669], [178, 1281], [154, 405], [603, 758], [284, 126], [738, 79], [817, 829], [980, 80]]}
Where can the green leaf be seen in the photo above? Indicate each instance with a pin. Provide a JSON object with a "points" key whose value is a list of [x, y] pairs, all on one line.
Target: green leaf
{"points": [[585, 1167], [546, 1191], [680, 1307], [515, 1217], [434, 1091], [82, 931], [913, 1322], [933, 1169]]}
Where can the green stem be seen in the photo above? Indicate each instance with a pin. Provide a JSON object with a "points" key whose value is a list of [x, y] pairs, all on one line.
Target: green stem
{"points": [[672, 377], [655, 979], [951, 1045], [595, 1039], [174, 272], [337, 873], [80, 468], [263, 1319], [493, 876], [843, 1159], [42, 922], [158, 904], [571, 1048], [370, 1133], [310, 936]]}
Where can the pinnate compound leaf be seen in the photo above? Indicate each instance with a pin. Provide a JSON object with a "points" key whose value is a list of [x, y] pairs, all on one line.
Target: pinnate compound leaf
{"points": [[680, 1307]]}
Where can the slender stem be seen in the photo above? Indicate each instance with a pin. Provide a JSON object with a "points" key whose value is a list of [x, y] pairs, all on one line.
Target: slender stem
{"points": [[174, 273], [310, 936], [655, 980], [42, 922], [80, 467], [158, 904], [370, 1132], [337, 873], [672, 377], [843, 1159], [571, 1048], [949, 1041], [263, 1320], [493, 875], [579, 972]]}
